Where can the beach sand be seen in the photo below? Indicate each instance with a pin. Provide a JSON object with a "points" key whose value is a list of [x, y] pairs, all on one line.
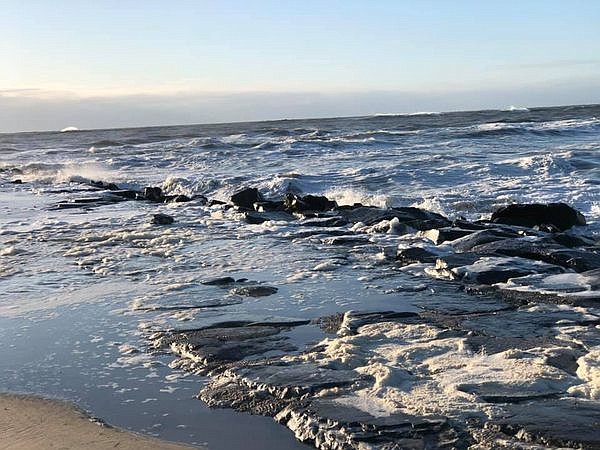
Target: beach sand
{"points": [[28, 422]]}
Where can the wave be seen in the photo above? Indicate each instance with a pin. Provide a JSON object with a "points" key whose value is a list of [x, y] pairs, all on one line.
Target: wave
{"points": [[374, 134], [432, 204], [512, 108], [350, 196], [419, 113], [106, 143], [64, 172], [550, 127], [546, 164]]}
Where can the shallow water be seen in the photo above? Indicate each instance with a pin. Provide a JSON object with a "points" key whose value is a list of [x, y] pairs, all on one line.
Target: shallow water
{"points": [[84, 288]]}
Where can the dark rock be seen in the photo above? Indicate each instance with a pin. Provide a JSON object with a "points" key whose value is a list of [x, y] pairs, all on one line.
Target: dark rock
{"points": [[521, 297], [219, 281], [213, 346], [246, 198], [179, 198], [455, 260], [103, 185], [17, 181], [365, 214], [353, 320], [287, 380], [320, 233], [153, 194], [266, 206], [537, 423], [213, 202], [493, 392], [328, 425], [70, 205], [168, 304], [445, 264], [269, 387], [542, 250], [127, 194], [414, 255], [499, 270], [256, 218], [300, 204], [593, 278], [467, 243], [162, 219], [563, 359], [466, 225], [416, 218], [561, 215], [254, 291], [546, 228], [89, 200], [571, 240], [325, 222], [420, 219], [346, 240], [200, 199], [440, 235]]}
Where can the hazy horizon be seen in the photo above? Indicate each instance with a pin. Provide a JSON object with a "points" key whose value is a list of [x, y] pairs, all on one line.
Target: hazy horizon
{"points": [[118, 65], [300, 118]]}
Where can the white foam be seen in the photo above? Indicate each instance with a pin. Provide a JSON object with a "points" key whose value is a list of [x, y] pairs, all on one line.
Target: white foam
{"points": [[589, 371], [432, 204], [516, 109], [419, 369], [418, 113], [352, 196]]}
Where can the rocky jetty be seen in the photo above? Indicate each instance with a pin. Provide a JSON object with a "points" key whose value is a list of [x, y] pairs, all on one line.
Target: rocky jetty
{"points": [[111, 193], [496, 366]]}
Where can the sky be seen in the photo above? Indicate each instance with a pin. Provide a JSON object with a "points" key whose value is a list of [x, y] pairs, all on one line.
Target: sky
{"points": [[105, 63]]}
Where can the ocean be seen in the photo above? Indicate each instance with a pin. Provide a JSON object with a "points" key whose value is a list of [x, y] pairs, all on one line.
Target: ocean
{"points": [[316, 326]]}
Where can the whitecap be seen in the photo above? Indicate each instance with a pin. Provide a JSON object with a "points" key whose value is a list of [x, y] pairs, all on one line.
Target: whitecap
{"points": [[351, 196]]}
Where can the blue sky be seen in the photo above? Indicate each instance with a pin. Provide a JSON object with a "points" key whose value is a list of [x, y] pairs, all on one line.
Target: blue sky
{"points": [[125, 63]]}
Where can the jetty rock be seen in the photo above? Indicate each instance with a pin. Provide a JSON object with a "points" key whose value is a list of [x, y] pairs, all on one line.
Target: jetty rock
{"points": [[560, 215]]}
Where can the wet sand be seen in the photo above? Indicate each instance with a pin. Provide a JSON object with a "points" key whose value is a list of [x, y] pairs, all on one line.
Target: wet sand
{"points": [[28, 422]]}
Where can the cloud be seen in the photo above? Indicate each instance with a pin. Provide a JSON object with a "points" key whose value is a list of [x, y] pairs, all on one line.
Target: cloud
{"points": [[18, 92]]}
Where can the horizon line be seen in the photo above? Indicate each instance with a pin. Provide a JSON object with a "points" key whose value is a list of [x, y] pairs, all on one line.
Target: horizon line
{"points": [[383, 114]]}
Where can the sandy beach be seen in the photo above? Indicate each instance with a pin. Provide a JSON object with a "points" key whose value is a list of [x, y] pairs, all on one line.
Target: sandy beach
{"points": [[28, 422]]}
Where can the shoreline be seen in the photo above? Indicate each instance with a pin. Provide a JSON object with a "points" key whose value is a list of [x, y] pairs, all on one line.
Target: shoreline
{"points": [[34, 422]]}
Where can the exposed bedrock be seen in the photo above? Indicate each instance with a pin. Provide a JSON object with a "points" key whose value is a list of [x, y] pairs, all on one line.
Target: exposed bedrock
{"points": [[114, 194], [579, 260], [485, 372], [491, 270], [402, 380], [521, 264]]}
